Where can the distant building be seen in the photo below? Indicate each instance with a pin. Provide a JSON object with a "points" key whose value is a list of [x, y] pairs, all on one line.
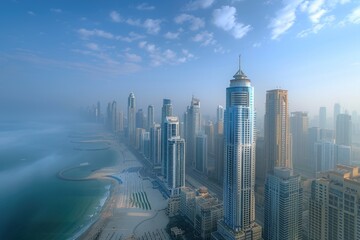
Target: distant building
{"points": [[299, 122], [121, 121], [335, 205], [277, 130], [201, 153], [337, 111], [150, 117], [155, 146], [140, 119], [283, 206], [313, 137], [343, 130], [114, 126], [209, 131], [131, 118], [322, 118], [192, 123]]}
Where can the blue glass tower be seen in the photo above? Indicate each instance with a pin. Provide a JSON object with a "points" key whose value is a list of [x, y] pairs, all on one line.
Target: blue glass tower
{"points": [[239, 169]]}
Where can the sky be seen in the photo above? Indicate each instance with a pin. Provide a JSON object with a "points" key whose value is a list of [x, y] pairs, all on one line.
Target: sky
{"points": [[61, 55]]}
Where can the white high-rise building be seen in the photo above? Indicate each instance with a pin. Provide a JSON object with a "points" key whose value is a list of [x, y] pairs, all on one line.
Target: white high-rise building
{"points": [[175, 164], [170, 129], [239, 173]]}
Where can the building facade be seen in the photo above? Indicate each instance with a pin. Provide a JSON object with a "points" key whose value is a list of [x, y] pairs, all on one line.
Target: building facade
{"points": [[334, 208], [283, 206]]}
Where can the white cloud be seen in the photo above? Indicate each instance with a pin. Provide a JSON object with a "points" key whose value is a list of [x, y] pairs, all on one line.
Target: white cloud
{"points": [[285, 18], [220, 49], [257, 45], [225, 18], [134, 22], [354, 16], [85, 33], [172, 35], [316, 27], [115, 16], [95, 32], [316, 9], [199, 4], [195, 22], [56, 10], [159, 57], [31, 13], [144, 6], [205, 38], [152, 26], [133, 57], [93, 46]]}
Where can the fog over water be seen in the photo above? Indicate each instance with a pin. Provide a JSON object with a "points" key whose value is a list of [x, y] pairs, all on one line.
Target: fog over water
{"points": [[35, 203]]}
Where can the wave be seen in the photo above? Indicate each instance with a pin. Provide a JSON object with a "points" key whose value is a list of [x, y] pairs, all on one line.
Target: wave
{"points": [[93, 217]]}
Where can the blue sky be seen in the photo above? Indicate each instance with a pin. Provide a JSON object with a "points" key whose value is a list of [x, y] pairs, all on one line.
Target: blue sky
{"points": [[64, 54]]}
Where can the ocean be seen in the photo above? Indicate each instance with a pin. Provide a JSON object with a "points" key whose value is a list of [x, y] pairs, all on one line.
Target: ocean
{"points": [[34, 202]]}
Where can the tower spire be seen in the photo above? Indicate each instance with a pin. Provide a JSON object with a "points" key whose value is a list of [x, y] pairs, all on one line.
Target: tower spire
{"points": [[240, 74]]}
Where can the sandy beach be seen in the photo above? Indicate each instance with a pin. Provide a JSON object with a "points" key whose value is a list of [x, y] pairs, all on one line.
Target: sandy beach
{"points": [[134, 209]]}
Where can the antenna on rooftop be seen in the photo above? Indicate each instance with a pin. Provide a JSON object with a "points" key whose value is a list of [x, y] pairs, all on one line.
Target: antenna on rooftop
{"points": [[240, 63]]}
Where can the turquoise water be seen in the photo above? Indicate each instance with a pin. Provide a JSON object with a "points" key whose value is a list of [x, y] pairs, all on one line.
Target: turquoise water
{"points": [[34, 202]]}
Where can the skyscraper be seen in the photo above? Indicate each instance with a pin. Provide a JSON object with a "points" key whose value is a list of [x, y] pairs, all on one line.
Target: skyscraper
{"points": [[131, 118], [219, 144], [283, 205], [114, 117], [343, 130], [98, 112], [201, 160], [277, 130], [239, 174], [299, 131], [322, 117], [155, 146], [220, 113], [193, 128], [166, 111], [337, 110], [150, 117], [170, 129], [176, 164]]}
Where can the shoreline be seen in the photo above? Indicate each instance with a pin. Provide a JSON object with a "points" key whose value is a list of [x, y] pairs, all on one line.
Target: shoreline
{"points": [[131, 201]]}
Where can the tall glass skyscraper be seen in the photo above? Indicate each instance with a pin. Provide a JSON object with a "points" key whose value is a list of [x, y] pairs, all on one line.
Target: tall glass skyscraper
{"points": [[239, 173], [131, 118]]}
